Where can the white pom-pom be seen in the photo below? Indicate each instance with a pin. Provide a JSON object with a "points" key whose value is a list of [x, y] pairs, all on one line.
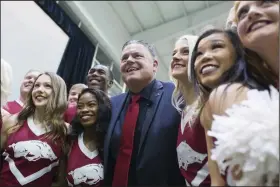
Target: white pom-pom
{"points": [[248, 136]]}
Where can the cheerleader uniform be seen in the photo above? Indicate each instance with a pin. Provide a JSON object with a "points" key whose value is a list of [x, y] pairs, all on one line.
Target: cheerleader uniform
{"points": [[30, 159], [192, 153], [84, 167], [13, 107]]}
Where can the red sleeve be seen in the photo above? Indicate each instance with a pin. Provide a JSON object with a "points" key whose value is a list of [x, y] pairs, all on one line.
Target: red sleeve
{"points": [[70, 114]]}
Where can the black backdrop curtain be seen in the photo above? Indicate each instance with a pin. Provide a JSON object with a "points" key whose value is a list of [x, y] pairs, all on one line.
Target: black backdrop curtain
{"points": [[78, 55]]}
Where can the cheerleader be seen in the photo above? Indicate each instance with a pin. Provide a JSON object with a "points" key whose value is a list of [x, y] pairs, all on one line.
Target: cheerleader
{"points": [[85, 164], [33, 141], [219, 70], [191, 143], [258, 29]]}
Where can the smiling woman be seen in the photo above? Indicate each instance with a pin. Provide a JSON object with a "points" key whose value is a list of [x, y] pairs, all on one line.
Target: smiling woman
{"points": [[85, 164], [258, 29], [40, 119], [188, 104], [224, 52], [42, 91], [220, 71], [183, 93], [215, 55]]}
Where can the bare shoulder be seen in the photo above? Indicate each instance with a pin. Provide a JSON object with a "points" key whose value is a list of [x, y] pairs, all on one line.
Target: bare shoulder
{"points": [[206, 117], [225, 96], [220, 100]]}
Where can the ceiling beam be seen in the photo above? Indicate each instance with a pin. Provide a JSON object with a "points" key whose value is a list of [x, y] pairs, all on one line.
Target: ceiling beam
{"points": [[158, 33], [119, 17], [141, 27], [162, 19], [192, 29], [207, 4], [184, 8]]}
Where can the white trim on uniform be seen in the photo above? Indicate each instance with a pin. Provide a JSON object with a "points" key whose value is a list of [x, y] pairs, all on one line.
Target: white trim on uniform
{"points": [[84, 149]]}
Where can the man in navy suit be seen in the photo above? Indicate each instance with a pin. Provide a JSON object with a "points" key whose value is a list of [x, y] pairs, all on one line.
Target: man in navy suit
{"points": [[153, 159]]}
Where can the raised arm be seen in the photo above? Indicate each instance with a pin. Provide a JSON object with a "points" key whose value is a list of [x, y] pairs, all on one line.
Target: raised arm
{"points": [[4, 113], [219, 101], [9, 125]]}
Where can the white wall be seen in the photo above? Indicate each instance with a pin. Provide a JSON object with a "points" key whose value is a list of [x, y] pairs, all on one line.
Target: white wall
{"points": [[103, 24], [30, 39]]}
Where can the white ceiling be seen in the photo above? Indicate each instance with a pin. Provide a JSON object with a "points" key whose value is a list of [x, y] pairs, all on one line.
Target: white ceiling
{"points": [[112, 23]]}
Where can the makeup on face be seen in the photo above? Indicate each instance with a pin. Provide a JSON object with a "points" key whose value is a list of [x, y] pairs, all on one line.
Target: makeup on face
{"points": [[87, 109], [42, 91], [215, 55], [180, 59]]}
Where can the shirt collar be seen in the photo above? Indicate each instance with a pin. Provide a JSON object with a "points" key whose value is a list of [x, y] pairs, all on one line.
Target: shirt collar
{"points": [[146, 92]]}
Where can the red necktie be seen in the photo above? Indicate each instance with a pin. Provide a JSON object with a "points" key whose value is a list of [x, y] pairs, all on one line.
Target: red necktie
{"points": [[126, 146]]}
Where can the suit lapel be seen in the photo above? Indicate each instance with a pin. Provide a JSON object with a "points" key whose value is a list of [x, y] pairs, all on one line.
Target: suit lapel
{"points": [[117, 108], [155, 97]]}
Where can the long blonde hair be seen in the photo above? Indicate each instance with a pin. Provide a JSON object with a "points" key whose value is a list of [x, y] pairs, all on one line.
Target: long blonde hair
{"points": [[178, 100], [6, 81], [235, 7], [54, 111]]}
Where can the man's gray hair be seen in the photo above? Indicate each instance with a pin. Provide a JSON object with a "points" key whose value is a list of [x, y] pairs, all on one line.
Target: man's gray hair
{"points": [[150, 47]]}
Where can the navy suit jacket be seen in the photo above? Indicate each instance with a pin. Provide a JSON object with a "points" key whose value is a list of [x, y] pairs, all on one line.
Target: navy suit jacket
{"points": [[157, 162]]}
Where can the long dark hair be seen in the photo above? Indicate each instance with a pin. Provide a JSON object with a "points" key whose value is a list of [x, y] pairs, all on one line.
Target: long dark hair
{"points": [[244, 72], [102, 120]]}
